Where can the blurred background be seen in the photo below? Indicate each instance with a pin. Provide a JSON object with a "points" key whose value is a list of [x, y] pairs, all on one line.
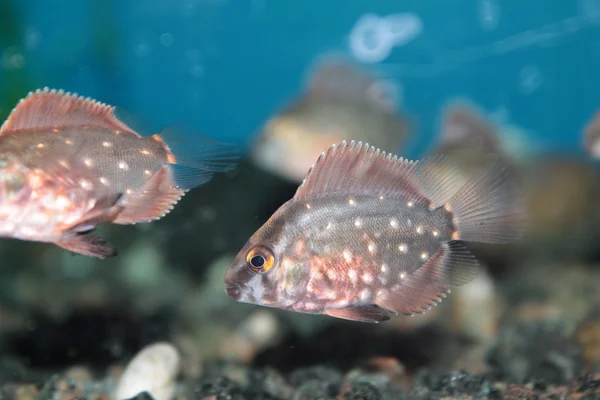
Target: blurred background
{"points": [[520, 77]]}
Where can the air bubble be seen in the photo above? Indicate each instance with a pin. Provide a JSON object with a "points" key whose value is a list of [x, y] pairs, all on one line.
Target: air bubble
{"points": [[167, 39]]}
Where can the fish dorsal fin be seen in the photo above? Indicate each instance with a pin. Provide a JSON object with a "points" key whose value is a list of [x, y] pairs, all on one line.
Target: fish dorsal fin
{"points": [[355, 168], [591, 136], [463, 125], [335, 77], [50, 108]]}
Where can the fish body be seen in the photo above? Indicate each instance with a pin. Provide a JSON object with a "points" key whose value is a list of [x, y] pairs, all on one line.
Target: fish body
{"points": [[68, 164], [339, 102], [368, 234]]}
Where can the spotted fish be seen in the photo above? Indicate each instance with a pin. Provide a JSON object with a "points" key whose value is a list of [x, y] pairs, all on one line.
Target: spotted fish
{"points": [[368, 235], [68, 164]]}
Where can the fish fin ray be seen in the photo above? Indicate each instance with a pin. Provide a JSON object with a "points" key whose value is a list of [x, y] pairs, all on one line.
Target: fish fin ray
{"points": [[88, 244], [337, 77], [490, 207], [197, 157], [366, 313], [487, 207], [357, 168], [453, 265], [50, 108], [154, 201]]}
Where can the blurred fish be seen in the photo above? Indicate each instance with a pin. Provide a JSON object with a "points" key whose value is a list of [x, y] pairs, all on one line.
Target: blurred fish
{"points": [[68, 164], [368, 234], [591, 137], [340, 102], [561, 192]]}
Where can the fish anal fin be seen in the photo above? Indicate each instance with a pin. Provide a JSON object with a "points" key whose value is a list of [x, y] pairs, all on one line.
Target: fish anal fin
{"points": [[453, 265], [88, 244], [355, 168], [156, 199], [50, 108], [366, 313]]}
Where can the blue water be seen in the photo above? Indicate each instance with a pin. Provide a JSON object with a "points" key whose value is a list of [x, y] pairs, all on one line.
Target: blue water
{"points": [[226, 65]]}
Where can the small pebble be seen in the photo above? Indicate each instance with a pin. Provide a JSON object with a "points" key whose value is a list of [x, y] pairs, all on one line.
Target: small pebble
{"points": [[152, 370]]}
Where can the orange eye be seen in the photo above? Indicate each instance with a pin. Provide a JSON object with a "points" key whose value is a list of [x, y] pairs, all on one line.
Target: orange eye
{"points": [[260, 259]]}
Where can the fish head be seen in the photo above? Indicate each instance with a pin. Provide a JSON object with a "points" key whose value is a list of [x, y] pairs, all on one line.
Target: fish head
{"points": [[270, 268]]}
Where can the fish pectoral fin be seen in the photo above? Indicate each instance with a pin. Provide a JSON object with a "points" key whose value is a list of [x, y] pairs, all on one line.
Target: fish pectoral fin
{"points": [[106, 209], [88, 244], [453, 265], [154, 201], [368, 313]]}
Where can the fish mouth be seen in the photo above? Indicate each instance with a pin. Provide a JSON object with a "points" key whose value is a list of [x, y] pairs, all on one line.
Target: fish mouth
{"points": [[234, 290]]}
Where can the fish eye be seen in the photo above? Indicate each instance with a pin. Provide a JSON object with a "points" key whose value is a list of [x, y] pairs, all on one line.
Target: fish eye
{"points": [[260, 259]]}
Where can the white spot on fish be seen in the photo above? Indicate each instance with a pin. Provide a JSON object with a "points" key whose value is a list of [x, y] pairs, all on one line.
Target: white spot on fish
{"points": [[64, 163], [107, 144], [435, 233], [403, 248], [85, 184], [104, 181], [409, 223], [424, 255], [68, 142], [384, 268], [148, 172], [353, 276], [41, 145], [402, 275], [367, 278], [128, 191], [331, 274], [347, 255], [372, 247], [117, 132], [381, 197], [394, 223], [358, 222], [351, 201], [365, 294], [55, 130], [410, 203], [329, 226], [123, 165], [420, 230], [145, 152], [87, 162], [308, 205]]}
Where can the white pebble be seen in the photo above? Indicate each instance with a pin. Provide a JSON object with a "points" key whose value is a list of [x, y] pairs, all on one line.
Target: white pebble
{"points": [[153, 370]]}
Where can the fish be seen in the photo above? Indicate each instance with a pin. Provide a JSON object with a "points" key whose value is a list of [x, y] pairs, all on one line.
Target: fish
{"points": [[368, 235], [591, 136], [69, 164], [340, 101]]}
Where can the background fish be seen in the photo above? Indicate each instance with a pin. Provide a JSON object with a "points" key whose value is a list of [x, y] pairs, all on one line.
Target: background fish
{"points": [[340, 102], [591, 136], [68, 164], [368, 234]]}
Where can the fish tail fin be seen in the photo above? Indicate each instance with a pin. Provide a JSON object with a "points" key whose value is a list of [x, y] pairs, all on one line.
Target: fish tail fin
{"points": [[489, 207], [194, 157]]}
